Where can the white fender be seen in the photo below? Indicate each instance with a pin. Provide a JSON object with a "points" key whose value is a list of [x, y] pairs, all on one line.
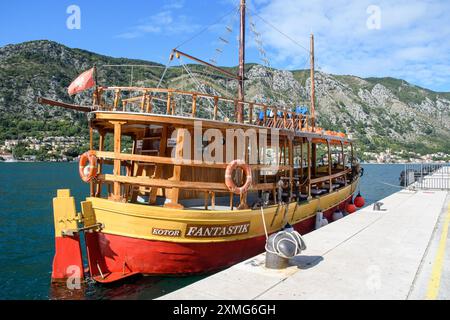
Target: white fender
{"points": [[337, 215], [320, 220]]}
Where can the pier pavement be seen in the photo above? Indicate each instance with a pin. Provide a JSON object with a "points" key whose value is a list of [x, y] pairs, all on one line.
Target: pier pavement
{"points": [[402, 252]]}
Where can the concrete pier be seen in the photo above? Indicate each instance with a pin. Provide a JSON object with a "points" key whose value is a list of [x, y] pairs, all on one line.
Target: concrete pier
{"points": [[399, 253]]}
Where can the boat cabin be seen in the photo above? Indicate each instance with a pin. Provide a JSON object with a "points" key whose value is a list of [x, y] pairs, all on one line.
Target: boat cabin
{"points": [[172, 148]]}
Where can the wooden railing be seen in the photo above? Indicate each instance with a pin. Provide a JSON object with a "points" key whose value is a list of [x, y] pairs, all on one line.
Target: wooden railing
{"points": [[146, 99], [211, 187], [180, 162], [163, 183]]}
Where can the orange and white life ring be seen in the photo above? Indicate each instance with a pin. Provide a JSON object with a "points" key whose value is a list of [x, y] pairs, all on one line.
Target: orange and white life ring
{"points": [[88, 166], [233, 165]]}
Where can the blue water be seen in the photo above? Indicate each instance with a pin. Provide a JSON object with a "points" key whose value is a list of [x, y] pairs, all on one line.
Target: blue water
{"points": [[27, 239]]}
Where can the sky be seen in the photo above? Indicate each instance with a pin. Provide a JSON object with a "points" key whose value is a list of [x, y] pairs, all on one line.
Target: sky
{"points": [[406, 39]]}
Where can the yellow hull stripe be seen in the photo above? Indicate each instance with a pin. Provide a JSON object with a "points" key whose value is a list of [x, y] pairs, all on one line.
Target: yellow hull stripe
{"points": [[141, 221]]}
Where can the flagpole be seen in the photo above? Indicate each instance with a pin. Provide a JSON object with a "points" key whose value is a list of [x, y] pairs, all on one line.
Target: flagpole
{"points": [[97, 98]]}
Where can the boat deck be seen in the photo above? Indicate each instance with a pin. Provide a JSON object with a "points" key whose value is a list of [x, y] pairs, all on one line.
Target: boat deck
{"points": [[398, 253]]}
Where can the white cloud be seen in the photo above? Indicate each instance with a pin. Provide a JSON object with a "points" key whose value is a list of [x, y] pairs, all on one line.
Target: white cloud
{"points": [[167, 22], [174, 4], [411, 44]]}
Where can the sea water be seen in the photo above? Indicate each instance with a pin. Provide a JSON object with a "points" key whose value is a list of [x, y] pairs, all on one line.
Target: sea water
{"points": [[27, 236]]}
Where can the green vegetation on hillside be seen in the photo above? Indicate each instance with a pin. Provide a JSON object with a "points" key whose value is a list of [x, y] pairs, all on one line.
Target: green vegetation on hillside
{"points": [[397, 115]]}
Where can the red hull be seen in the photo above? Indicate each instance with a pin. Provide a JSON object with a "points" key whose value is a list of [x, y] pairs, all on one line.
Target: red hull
{"points": [[112, 253]]}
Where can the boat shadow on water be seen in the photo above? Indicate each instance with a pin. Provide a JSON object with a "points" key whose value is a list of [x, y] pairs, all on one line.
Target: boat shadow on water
{"points": [[140, 287]]}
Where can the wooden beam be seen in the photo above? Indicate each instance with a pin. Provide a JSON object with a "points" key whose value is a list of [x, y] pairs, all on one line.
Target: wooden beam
{"points": [[159, 168], [194, 105], [162, 183], [329, 165], [64, 105], [117, 162], [291, 170], [187, 185], [169, 102], [309, 169], [116, 98], [176, 176], [231, 75], [328, 177], [171, 161]]}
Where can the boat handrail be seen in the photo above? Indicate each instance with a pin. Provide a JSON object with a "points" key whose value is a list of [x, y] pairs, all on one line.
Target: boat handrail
{"points": [[255, 113]]}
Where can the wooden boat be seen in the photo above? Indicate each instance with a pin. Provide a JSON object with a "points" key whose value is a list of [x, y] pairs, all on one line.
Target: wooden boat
{"points": [[162, 208]]}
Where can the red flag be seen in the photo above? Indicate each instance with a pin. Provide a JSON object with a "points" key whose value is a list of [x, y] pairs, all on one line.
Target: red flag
{"points": [[83, 82]]}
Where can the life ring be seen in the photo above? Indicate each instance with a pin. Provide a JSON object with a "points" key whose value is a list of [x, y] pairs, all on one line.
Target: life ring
{"points": [[233, 165], [88, 166]]}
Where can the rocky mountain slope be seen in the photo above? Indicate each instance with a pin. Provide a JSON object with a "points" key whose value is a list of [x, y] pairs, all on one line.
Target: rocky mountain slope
{"points": [[379, 112]]}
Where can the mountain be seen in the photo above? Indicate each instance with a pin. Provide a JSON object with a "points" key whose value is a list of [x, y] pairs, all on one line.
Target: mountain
{"points": [[379, 112]]}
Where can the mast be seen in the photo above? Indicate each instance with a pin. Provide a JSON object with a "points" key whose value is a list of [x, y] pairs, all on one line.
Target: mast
{"points": [[241, 94], [313, 92]]}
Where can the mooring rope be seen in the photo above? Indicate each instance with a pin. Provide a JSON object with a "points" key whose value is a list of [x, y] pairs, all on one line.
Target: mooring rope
{"points": [[264, 222]]}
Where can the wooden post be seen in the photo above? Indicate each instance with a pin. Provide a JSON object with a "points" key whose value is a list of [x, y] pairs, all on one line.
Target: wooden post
{"points": [[243, 197], [216, 106], [91, 147], [117, 163], [213, 200], [275, 117], [91, 136], [169, 102], [144, 100], [100, 96], [176, 176], [314, 158], [301, 160], [241, 75], [159, 167], [351, 147], [329, 165], [206, 199], [116, 98], [313, 92], [343, 162], [101, 147], [250, 113], [352, 159], [291, 166], [231, 200], [309, 168], [194, 105]]}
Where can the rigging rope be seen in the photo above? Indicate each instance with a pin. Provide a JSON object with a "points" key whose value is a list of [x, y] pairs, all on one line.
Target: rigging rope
{"points": [[207, 27], [164, 72], [264, 222], [200, 87], [279, 31]]}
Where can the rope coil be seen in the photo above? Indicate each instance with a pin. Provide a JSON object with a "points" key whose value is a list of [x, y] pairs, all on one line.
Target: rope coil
{"points": [[285, 236]]}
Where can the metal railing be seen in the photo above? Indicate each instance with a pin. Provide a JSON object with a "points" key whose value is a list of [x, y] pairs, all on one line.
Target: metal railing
{"points": [[426, 176]]}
